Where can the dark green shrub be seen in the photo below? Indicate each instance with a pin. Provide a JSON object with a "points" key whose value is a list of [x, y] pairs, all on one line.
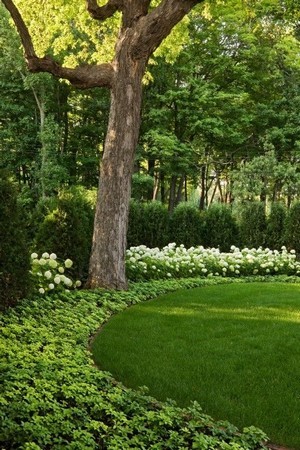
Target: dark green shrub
{"points": [[186, 225], [253, 225], [156, 225], [292, 230], [14, 251], [148, 224], [135, 224], [35, 212], [220, 229], [276, 226], [67, 231], [142, 186]]}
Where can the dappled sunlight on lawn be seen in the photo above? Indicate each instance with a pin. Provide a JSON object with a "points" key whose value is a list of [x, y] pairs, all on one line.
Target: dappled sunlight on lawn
{"points": [[267, 314]]}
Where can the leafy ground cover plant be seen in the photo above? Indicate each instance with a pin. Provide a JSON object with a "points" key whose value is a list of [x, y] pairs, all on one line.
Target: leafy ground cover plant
{"points": [[53, 397], [178, 262]]}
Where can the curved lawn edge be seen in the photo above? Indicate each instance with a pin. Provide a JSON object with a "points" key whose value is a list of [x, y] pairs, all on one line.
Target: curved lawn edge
{"points": [[53, 397]]}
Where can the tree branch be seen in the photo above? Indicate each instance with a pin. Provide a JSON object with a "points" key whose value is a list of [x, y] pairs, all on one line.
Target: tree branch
{"points": [[21, 27], [83, 77], [153, 28], [103, 12]]}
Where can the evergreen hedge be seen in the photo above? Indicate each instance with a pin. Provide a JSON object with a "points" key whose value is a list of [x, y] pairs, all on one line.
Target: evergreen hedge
{"points": [[220, 228], [186, 225], [275, 236], [292, 229], [253, 225], [148, 224]]}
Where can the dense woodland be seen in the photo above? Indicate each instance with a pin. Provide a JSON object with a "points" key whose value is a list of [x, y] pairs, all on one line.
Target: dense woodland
{"points": [[220, 114]]}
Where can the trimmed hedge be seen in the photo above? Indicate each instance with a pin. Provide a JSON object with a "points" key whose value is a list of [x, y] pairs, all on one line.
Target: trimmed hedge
{"points": [[220, 229], [148, 224], [253, 225], [292, 228], [52, 396], [276, 226], [186, 225]]}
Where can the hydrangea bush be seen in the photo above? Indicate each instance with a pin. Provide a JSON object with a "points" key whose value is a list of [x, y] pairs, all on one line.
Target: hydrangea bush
{"points": [[174, 261], [49, 273]]}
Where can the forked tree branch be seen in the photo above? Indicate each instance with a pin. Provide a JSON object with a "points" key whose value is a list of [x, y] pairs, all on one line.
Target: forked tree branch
{"points": [[103, 12], [154, 27], [84, 77]]}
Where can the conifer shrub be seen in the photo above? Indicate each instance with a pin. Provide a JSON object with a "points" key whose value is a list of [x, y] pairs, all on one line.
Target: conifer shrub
{"points": [[186, 225], [292, 229], [275, 238], [220, 228], [14, 251], [67, 231], [253, 225]]}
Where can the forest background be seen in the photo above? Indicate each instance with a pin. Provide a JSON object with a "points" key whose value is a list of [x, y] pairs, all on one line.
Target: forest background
{"points": [[220, 136]]}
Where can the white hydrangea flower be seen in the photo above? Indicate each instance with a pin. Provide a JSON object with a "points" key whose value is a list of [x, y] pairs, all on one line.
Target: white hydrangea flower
{"points": [[57, 279], [61, 269], [45, 255], [42, 262], [51, 286], [52, 263], [41, 291], [34, 256], [48, 274], [78, 283], [67, 281], [68, 263], [53, 256]]}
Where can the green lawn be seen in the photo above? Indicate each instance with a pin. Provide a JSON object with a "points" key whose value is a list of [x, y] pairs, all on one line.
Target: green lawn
{"points": [[234, 348]]}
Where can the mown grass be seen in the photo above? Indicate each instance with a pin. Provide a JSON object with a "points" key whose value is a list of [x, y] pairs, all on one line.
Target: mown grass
{"points": [[233, 348]]}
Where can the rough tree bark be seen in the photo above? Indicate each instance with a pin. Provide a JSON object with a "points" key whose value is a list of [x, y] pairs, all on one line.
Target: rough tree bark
{"points": [[143, 28]]}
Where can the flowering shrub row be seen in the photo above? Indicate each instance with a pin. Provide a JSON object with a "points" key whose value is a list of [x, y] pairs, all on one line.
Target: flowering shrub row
{"points": [[143, 263], [49, 273]]}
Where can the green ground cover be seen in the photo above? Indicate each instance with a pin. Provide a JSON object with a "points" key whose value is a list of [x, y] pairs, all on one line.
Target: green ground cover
{"points": [[234, 348]]}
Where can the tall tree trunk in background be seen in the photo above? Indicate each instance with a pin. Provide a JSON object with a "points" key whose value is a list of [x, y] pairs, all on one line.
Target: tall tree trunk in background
{"points": [[172, 196], [179, 190], [203, 188]]}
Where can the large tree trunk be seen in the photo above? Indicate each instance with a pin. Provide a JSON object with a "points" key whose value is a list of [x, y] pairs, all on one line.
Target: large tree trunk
{"points": [[107, 262]]}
